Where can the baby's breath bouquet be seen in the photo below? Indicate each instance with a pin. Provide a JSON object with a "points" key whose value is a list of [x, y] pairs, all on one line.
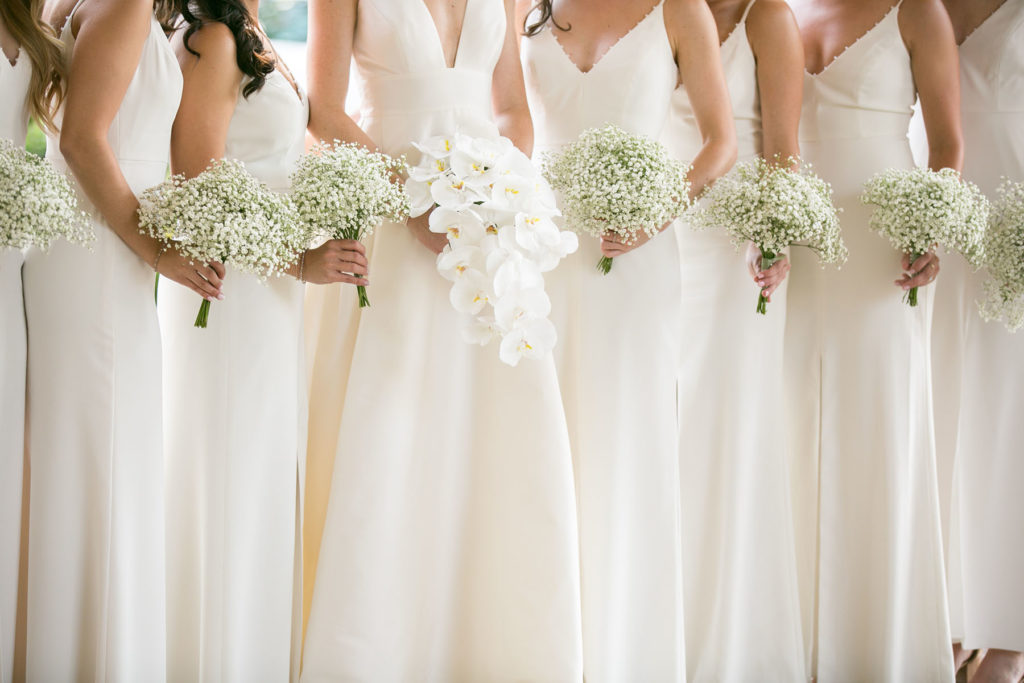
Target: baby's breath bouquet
{"points": [[225, 215], [614, 181], [37, 204], [774, 206], [344, 191], [919, 209], [1004, 258]]}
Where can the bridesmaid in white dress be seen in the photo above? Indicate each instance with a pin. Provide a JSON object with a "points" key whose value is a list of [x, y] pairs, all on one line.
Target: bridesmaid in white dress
{"points": [[95, 606], [858, 358], [449, 550], [234, 451], [30, 79], [588, 64], [739, 562], [986, 550]]}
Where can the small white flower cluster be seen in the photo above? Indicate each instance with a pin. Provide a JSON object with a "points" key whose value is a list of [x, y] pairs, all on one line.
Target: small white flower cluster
{"points": [[1004, 259], [344, 191], [775, 206], [37, 203], [497, 211], [613, 181], [919, 209]]}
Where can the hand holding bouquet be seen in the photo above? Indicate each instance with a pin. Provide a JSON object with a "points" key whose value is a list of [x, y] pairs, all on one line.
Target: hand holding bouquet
{"points": [[774, 206], [37, 204], [224, 215], [919, 209], [344, 191], [1004, 259], [611, 181], [497, 212]]}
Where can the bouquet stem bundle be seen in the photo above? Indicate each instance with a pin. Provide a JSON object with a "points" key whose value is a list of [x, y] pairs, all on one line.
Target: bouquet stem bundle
{"points": [[920, 209], [611, 181], [344, 191]]}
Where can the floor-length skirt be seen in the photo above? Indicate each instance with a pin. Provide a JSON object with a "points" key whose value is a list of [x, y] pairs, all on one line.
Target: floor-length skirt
{"points": [[234, 424], [96, 608], [858, 369], [739, 563], [617, 359], [449, 547], [12, 451]]}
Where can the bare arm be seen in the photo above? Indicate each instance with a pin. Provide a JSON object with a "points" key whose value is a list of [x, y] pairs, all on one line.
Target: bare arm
{"points": [[332, 30], [511, 111], [694, 37], [778, 49]]}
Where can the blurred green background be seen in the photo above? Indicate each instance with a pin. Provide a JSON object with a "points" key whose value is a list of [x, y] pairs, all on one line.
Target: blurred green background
{"points": [[283, 20]]}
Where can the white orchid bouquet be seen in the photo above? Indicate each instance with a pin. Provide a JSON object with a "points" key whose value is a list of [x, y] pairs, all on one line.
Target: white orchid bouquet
{"points": [[226, 215], [37, 203], [775, 206], [1004, 258], [498, 213], [920, 209], [344, 191], [611, 181]]}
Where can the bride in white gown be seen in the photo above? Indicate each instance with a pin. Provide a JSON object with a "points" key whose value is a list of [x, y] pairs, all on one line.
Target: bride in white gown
{"points": [[449, 547], [620, 333]]}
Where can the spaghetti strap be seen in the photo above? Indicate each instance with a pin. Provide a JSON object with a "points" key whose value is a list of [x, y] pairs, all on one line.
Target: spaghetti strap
{"points": [[747, 11], [71, 16]]}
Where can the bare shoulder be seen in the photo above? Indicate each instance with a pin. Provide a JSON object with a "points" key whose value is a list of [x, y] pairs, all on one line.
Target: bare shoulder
{"points": [[213, 42], [772, 21], [920, 18], [689, 18], [126, 17]]}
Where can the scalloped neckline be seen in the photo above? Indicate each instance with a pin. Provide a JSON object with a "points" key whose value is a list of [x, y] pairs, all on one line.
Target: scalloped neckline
{"points": [[608, 49], [854, 43]]}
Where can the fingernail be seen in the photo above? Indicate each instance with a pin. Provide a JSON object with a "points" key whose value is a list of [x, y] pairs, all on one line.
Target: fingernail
{"points": [[220, 297]]}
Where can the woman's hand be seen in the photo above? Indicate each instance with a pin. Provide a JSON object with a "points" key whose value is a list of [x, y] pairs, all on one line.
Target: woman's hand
{"points": [[420, 227], [613, 244], [768, 280], [921, 272], [336, 261], [206, 281]]}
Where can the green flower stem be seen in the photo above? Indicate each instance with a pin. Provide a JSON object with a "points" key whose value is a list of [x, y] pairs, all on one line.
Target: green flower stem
{"points": [[911, 296], [364, 301], [204, 314], [768, 259], [605, 265], [354, 234]]}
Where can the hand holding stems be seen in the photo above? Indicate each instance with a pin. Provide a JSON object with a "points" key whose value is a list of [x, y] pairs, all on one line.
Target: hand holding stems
{"points": [[918, 271], [614, 244], [335, 261], [206, 281], [420, 227], [768, 271]]}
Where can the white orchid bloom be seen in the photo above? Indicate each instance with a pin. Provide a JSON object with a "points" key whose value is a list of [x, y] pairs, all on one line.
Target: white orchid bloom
{"points": [[455, 262], [420, 199], [437, 147], [481, 331], [516, 308], [510, 268], [462, 227], [536, 233], [533, 339], [453, 192], [470, 293]]}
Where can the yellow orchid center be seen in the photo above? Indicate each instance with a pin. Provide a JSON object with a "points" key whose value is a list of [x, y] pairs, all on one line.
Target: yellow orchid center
{"points": [[454, 232], [492, 229]]}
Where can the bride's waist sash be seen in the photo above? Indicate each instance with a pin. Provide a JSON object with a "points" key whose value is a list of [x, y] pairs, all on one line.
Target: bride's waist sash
{"points": [[818, 123], [444, 89]]}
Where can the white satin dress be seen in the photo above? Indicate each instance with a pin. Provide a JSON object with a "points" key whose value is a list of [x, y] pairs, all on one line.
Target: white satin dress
{"points": [[739, 561], [617, 355], [987, 517], [14, 83], [235, 440], [96, 591], [859, 367], [449, 549]]}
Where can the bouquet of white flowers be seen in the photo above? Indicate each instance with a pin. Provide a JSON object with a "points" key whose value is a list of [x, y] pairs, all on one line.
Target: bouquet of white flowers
{"points": [[1004, 259], [920, 209], [37, 204], [344, 191], [774, 206], [612, 181], [497, 212], [224, 214]]}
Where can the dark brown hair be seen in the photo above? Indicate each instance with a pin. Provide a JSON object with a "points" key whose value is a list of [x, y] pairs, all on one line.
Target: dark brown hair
{"points": [[545, 8], [253, 57], [40, 44]]}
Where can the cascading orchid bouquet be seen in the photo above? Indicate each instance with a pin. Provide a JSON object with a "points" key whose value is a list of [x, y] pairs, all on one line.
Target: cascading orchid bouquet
{"points": [[37, 203], [498, 214], [224, 214], [613, 181], [919, 209], [344, 191], [1004, 258], [775, 206]]}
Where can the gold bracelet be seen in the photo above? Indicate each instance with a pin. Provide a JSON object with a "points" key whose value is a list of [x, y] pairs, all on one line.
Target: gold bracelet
{"points": [[159, 253], [302, 265]]}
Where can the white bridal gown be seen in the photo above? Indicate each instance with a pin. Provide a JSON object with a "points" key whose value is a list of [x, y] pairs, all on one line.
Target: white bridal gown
{"points": [[987, 550], [617, 357], [14, 83], [739, 562], [235, 439], [858, 367], [449, 549], [96, 540]]}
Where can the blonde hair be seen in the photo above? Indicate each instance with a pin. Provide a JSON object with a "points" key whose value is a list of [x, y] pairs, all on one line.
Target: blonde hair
{"points": [[39, 43]]}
